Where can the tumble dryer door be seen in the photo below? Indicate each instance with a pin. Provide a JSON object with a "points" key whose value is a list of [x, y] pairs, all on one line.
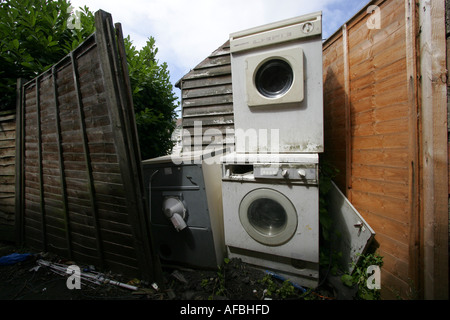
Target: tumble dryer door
{"points": [[268, 216], [275, 78]]}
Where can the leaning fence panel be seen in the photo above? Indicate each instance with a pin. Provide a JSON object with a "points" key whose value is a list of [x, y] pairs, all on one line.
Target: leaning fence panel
{"points": [[79, 188]]}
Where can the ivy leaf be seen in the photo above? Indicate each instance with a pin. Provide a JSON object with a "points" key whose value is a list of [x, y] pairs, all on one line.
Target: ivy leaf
{"points": [[347, 280]]}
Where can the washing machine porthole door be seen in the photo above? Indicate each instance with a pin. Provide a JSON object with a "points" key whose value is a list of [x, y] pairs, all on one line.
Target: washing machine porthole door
{"points": [[268, 216]]}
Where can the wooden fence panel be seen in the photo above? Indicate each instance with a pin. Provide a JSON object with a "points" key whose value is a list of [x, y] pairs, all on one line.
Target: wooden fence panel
{"points": [[373, 87], [377, 118], [80, 177], [7, 169]]}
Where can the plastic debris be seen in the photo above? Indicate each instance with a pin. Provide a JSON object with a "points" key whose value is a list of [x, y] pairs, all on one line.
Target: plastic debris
{"points": [[155, 286], [179, 276], [13, 258], [281, 278], [134, 282]]}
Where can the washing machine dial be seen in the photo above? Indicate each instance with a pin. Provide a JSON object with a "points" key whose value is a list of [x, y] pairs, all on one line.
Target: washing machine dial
{"points": [[301, 173]]}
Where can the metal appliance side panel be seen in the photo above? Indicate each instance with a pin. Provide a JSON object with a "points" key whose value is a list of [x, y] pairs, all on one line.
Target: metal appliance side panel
{"points": [[212, 174], [352, 234]]}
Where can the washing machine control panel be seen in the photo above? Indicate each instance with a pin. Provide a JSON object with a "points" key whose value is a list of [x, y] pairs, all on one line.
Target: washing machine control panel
{"points": [[305, 173], [294, 173]]}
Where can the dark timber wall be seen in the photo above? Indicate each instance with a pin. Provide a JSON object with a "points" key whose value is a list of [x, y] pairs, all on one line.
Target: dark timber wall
{"points": [[207, 99]]}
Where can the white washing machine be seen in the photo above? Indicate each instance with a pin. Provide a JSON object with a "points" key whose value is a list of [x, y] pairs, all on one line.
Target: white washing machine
{"points": [[271, 213], [277, 86]]}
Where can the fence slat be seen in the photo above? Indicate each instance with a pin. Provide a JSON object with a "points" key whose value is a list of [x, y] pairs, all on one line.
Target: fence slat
{"points": [[87, 159], [61, 166], [40, 171]]}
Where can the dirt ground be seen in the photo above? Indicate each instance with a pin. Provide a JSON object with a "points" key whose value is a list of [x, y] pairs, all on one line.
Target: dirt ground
{"points": [[235, 280]]}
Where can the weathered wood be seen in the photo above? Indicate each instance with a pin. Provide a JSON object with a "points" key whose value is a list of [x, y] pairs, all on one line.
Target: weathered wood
{"points": [[80, 191], [207, 97], [434, 143], [7, 171], [40, 171], [86, 152], [213, 81], [347, 112], [380, 83], [210, 72], [63, 187], [208, 101], [207, 91], [411, 30], [225, 109], [124, 133], [355, 107]]}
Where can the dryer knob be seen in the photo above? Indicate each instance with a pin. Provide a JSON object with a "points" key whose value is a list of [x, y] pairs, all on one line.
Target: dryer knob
{"points": [[285, 173]]}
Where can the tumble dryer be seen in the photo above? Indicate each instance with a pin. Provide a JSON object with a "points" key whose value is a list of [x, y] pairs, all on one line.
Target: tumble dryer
{"points": [[185, 198], [277, 85]]}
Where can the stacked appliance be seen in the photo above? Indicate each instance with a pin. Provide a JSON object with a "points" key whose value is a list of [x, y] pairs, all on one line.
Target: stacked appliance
{"points": [[270, 181], [185, 198]]}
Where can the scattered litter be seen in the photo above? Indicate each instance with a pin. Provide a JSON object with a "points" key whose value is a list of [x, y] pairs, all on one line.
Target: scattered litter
{"points": [[13, 258], [91, 277], [89, 268], [134, 282], [143, 291], [179, 276], [264, 294], [155, 286], [35, 268], [281, 278]]}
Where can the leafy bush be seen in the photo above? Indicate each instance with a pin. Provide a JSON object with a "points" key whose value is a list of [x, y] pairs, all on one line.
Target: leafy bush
{"points": [[153, 98], [34, 36], [360, 276]]}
